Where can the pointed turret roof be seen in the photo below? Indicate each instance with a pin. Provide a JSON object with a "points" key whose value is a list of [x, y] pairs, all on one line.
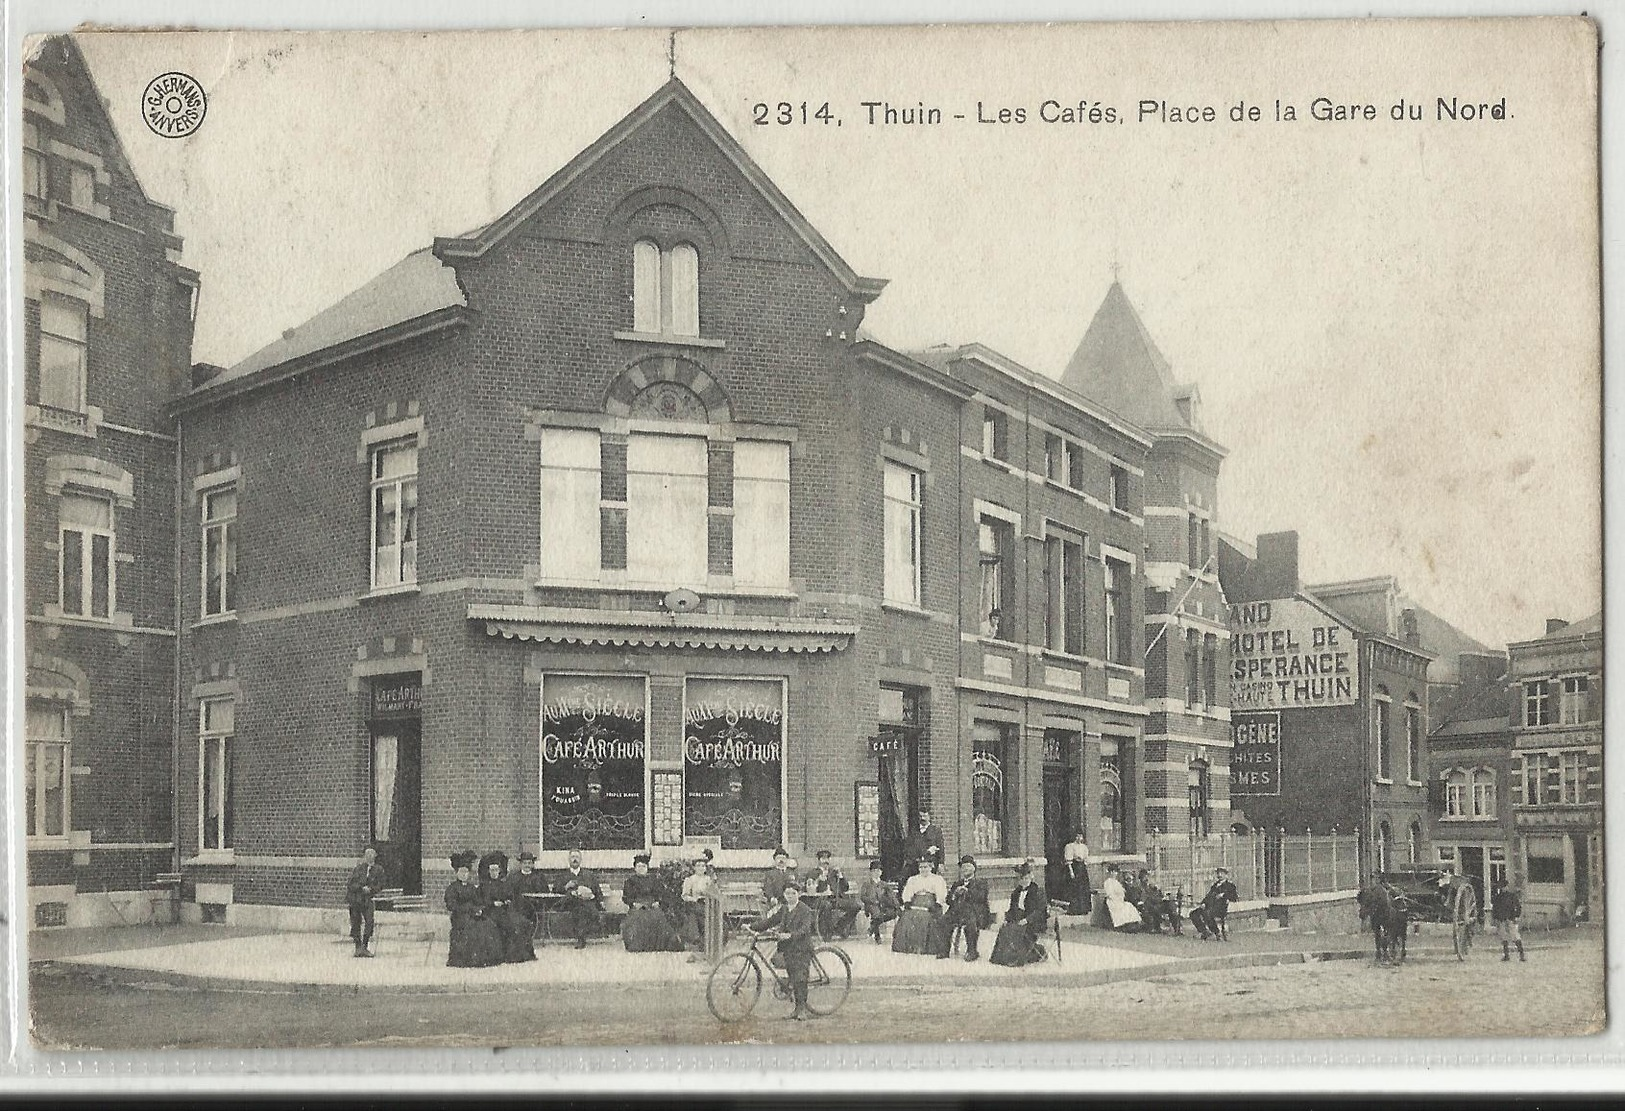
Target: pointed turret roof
{"points": [[1118, 365]]}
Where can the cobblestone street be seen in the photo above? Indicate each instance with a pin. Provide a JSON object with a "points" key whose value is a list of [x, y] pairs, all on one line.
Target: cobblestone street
{"points": [[1558, 992]]}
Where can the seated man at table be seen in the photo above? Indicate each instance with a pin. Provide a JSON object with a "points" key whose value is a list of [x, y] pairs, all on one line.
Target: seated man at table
{"points": [[825, 885], [584, 902], [780, 874], [879, 900]]}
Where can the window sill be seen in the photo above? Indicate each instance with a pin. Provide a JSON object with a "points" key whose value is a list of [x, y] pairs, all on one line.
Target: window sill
{"points": [[1000, 642], [53, 843], [1113, 665], [905, 608], [403, 590], [216, 619], [1118, 511], [670, 339], [1384, 782], [74, 422], [207, 857], [999, 464], [1069, 657]]}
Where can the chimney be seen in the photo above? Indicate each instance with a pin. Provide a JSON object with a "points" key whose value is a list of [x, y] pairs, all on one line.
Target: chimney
{"points": [[1555, 625], [1408, 630], [203, 372], [1277, 566]]}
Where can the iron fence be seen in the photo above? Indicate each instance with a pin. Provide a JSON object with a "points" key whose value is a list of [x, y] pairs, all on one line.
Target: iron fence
{"points": [[1265, 864]]}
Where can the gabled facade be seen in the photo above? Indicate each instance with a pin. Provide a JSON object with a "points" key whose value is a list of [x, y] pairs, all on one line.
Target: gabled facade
{"points": [[108, 330], [606, 527]]}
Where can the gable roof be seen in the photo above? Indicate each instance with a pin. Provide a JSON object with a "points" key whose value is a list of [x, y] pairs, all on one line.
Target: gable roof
{"points": [[1118, 364], [674, 93]]}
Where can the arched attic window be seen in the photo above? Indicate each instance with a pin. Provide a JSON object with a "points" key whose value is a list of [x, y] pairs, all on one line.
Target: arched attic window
{"points": [[665, 289]]}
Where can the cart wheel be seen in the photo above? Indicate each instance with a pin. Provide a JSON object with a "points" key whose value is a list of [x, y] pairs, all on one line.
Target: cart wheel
{"points": [[1464, 916], [733, 988], [829, 978]]}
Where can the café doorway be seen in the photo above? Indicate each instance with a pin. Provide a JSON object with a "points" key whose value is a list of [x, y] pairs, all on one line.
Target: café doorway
{"points": [[397, 782], [1061, 817]]}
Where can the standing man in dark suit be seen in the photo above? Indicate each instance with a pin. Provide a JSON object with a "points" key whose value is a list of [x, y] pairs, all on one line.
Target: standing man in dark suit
{"points": [[366, 880], [795, 919], [585, 900], [968, 907], [773, 883], [925, 843]]}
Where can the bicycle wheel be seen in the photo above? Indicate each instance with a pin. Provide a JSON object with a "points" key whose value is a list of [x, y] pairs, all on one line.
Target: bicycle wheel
{"points": [[733, 988], [829, 978]]}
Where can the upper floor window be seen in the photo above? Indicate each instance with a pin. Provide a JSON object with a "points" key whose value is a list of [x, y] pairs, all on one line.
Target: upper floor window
{"points": [[1571, 772], [219, 576], [394, 514], [36, 173], [1199, 786], [666, 497], [995, 545], [995, 433], [1576, 694], [1119, 488], [1456, 787], [1413, 743], [1054, 457], [86, 556], [63, 352], [1537, 703], [1063, 583], [46, 771], [665, 289], [1469, 795], [1483, 793], [1381, 724], [216, 726], [903, 497], [1119, 612], [1210, 670], [1193, 667], [571, 480], [761, 547]]}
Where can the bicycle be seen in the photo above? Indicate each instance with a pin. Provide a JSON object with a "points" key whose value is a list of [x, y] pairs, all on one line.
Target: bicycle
{"points": [[735, 984]]}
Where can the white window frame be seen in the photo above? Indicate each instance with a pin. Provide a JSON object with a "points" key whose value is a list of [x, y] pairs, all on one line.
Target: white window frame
{"points": [[1571, 789], [1065, 598], [1536, 703], [34, 820], [210, 736], [765, 515], [571, 551], [1413, 742], [696, 571], [665, 289], [87, 563], [1118, 625], [1457, 795], [78, 344], [226, 527], [892, 568], [36, 173], [1482, 791], [1382, 721], [399, 482], [1573, 695]]}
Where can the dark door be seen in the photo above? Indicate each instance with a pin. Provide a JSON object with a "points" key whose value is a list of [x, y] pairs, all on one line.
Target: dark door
{"points": [[397, 803], [899, 804], [1059, 824], [1472, 870]]}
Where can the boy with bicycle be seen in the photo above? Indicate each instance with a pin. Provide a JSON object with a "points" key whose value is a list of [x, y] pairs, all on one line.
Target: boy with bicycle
{"points": [[795, 921]]}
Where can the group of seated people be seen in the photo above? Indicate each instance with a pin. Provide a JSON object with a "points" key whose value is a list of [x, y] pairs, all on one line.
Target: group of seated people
{"points": [[494, 912], [1137, 905]]}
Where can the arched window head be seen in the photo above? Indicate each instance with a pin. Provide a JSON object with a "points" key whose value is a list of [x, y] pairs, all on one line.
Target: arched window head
{"points": [[665, 289], [1414, 845]]}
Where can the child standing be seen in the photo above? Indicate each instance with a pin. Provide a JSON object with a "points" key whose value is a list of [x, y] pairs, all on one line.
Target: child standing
{"points": [[1506, 907]]}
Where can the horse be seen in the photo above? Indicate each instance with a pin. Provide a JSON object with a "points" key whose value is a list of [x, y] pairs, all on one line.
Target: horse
{"points": [[1389, 921]]}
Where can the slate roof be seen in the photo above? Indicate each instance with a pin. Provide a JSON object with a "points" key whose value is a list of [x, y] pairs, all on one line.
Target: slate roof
{"points": [[1118, 365]]}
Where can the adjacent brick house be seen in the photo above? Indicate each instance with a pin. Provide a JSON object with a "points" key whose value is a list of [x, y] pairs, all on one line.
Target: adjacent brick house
{"points": [[108, 333], [1337, 677], [605, 526]]}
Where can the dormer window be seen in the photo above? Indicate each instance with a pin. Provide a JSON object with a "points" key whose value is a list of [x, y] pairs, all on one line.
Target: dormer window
{"points": [[665, 289]]}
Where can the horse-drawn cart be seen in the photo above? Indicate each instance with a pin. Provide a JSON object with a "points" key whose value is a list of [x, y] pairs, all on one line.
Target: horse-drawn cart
{"points": [[1437, 895]]}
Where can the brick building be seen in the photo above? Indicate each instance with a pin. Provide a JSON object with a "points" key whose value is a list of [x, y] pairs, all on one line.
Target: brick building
{"points": [[108, 332], [1328, 689], [1555, 770], [1470, 764], [604, 526]]}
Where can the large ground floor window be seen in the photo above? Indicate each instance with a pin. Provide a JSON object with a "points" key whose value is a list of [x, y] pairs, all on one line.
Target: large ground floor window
{"points": [[990, 786], [733, 761], [594, 749]]}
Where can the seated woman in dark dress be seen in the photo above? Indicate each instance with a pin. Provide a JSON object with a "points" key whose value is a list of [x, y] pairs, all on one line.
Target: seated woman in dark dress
{"points": [[502, 902], [920, 929], [646, 929], [476, 941], [1024, 921]]}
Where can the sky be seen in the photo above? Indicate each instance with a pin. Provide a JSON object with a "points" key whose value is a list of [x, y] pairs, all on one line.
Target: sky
{"points": [[1393, 325]]}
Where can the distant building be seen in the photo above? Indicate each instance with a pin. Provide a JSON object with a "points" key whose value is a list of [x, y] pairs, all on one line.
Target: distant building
{"points": [[1556, 769], [108, 317], [1328, 703], [1470, 769]]}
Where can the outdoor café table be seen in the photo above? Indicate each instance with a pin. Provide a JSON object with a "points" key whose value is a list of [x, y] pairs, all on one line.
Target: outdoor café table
{"points": [[543, 901]]}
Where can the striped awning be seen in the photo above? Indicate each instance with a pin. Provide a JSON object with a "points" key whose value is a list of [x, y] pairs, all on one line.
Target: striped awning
{"points": [[652, 629]]}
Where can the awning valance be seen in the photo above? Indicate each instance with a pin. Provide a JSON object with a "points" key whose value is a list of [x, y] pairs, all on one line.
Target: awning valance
{"points": [[561, 625]]}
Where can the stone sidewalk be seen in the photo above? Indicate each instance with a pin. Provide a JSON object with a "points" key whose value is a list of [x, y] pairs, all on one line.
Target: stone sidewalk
{"points": [[242, 958]]}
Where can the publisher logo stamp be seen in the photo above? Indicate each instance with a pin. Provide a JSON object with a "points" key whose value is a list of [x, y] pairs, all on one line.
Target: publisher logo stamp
{"points": [[173, 105]]}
